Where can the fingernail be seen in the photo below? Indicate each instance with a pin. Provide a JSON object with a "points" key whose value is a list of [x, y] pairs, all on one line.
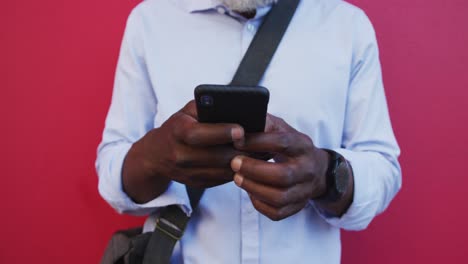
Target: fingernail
{"points": [[238, 179], [237, 133], [236, 164]]}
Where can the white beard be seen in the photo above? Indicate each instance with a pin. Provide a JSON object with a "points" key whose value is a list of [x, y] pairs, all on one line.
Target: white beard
{"points": [[246, 5]]}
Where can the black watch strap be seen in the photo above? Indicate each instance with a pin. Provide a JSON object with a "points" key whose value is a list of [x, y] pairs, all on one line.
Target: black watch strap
{"points": [[337, 177]]}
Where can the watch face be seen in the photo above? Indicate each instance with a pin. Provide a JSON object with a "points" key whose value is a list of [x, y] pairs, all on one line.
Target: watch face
{"points": [[341, 177]]}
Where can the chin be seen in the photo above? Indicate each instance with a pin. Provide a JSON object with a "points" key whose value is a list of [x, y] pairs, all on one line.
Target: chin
{"points": [[246, 5]]}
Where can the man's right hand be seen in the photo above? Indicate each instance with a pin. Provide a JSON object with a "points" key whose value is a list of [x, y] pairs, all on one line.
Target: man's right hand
{"points": [[182, 150]]}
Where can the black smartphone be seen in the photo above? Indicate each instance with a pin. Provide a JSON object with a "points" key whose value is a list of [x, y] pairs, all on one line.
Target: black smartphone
{"points": [[243, 105]]}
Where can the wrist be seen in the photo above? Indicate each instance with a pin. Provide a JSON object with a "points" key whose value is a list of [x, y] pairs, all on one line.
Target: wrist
{"points": [[340, 186], [141, 179], [337, 177], [323, 161]]}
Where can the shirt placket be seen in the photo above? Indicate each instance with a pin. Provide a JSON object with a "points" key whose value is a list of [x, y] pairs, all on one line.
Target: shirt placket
{"points": [[250, 238]]}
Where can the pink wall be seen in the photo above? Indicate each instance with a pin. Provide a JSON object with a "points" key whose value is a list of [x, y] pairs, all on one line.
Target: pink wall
{"points": [[57, 65]]}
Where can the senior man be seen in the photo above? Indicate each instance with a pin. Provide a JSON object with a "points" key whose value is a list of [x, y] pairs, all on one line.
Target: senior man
{"points": [[328, 130]]}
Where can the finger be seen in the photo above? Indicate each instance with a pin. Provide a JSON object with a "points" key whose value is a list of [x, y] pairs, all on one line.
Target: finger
{"points": [[273, 196], [194, 175], [269, 173], [277, 214], [202, 184], [188, 130], [190, 109], [198, 157], [194, 133], [204, 134], [290, 143]]}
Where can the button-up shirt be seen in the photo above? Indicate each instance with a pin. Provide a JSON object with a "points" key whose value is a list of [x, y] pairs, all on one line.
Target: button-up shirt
{"points": [[324, 80]]}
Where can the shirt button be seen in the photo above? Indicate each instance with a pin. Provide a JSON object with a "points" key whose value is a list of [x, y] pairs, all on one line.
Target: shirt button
{"points": [[250, 27], [221, 10]]}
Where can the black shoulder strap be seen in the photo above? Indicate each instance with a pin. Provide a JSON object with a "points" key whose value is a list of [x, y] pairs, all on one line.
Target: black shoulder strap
{"points": [[171, 223], [264, 44], [170, 227]]}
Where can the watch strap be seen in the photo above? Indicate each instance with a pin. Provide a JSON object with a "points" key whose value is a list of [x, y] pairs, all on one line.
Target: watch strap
{"points": [[332, 193]]}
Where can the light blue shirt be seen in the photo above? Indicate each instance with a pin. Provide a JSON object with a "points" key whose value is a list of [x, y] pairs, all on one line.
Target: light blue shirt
{"points": [[325, 81]]}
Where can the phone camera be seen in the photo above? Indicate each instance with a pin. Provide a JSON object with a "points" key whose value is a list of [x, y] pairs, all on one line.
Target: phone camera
{"points": [[206, 100]]}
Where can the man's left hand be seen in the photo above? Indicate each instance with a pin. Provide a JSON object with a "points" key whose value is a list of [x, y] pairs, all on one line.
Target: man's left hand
{"points": [[282, 188]]}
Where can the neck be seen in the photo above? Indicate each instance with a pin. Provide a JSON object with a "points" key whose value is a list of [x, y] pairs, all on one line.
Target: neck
{"points": [[248, 14]]}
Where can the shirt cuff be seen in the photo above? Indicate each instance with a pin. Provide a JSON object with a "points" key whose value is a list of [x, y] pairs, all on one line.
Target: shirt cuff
{"points": [[111, 189], [365, 204], [175, 194]]}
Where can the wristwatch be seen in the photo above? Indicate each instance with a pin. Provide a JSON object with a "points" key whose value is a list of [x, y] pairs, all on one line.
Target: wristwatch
{"points": [[337, 177]]}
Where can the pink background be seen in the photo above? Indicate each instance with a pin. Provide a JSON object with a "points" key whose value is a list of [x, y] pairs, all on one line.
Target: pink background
{"points": [[57, 66]]}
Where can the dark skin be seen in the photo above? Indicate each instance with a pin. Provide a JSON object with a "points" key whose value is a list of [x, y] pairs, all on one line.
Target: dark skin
{"points": [[282, 188], [207, 155], [182, 150]]}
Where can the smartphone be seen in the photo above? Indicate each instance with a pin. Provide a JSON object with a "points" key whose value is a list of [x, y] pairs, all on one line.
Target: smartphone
{"points": [[243, 105]]}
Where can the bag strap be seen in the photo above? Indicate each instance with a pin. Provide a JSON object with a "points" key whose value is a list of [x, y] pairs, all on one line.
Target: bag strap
{"points": [[264, 44], [170, 227], [171, 223]]}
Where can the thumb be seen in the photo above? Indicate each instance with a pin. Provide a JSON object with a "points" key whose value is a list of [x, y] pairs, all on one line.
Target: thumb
{"points": [[190, 109], [276, 124]]}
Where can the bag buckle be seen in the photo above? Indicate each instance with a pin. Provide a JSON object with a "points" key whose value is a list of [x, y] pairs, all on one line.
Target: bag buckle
{"points": [[168, 228]]}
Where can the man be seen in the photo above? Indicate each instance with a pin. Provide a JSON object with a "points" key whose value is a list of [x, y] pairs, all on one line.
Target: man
{"points": [[327, 111]]}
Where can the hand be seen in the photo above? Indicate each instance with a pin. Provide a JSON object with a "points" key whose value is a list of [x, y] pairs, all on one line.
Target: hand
{"points": [[182, 150], [282, 188]]}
